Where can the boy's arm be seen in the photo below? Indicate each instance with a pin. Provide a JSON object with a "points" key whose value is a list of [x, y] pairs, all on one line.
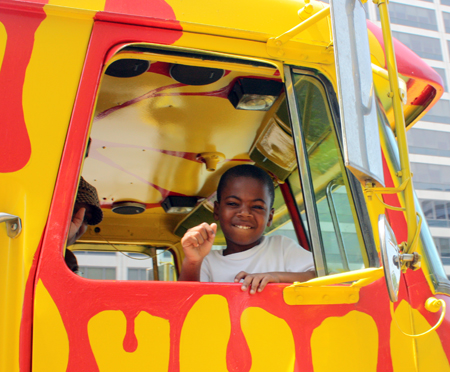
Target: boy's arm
{"points": [[196, 243], [257, 282]]}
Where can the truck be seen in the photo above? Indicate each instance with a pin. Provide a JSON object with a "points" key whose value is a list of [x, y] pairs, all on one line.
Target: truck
{"points": [[151, 101]]}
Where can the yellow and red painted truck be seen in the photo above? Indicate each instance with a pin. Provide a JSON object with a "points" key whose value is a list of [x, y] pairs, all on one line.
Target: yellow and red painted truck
{"points": [[169, 94]]}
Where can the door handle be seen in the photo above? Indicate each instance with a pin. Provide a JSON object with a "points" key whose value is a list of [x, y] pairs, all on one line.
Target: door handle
{"points": [[13, 224]]}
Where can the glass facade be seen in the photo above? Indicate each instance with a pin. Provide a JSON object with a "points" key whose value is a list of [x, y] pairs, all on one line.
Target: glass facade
{"points": [[137, 274], [93, 272], [423, 46], [440, 113], [443, 245], [431, 176], [412, 16], [443, 75], [429, 142], [437, 212], [446, 18]]}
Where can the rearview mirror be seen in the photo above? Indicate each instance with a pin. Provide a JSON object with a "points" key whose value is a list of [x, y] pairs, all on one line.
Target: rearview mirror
{"points": [[390, 257]]}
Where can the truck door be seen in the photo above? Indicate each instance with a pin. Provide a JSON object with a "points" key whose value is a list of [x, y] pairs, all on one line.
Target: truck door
{"points": [[116, 325]]}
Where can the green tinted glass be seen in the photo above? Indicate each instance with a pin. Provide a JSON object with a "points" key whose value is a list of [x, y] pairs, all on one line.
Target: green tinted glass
{"points": [[343, 245]]}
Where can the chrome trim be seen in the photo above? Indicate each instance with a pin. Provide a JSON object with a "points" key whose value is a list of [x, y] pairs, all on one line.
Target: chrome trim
{"points": [[13, 224]]}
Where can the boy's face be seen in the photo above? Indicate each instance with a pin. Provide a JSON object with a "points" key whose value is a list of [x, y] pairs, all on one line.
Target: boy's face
{"points": [[244, 211]]}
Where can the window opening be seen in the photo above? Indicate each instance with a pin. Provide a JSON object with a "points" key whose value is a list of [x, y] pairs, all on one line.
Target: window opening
{"points": [[124, 263], [343, 245]]}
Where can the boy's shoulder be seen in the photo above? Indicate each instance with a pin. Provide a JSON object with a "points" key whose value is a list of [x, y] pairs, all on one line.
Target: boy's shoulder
{"points": [[279, 240]]}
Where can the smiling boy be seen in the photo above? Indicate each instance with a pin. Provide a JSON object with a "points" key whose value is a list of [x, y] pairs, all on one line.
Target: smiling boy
{"points": [[243, 208]]}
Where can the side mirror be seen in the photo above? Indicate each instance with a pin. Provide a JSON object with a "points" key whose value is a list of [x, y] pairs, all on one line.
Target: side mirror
{"points": [[390, 257], [360, 136]]}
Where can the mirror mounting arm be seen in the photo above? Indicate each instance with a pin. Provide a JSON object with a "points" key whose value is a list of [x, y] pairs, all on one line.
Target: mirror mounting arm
{"points": [[409, 260], [400, 130], [312, 13]]}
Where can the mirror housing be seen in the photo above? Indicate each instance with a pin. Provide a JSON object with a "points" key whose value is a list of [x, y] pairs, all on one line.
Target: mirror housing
{"points": [[360, 136], [390, 257]]}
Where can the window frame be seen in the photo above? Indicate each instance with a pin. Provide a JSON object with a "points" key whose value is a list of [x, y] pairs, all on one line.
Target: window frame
{"points": [[355, 192]]}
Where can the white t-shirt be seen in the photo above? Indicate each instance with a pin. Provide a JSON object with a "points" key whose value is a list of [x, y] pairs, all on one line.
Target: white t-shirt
{"points": [[274, 253]]}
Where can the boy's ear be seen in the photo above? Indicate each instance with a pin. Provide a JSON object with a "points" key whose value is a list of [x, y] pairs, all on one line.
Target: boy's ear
{"points": [[269, 222], [216, 211]]}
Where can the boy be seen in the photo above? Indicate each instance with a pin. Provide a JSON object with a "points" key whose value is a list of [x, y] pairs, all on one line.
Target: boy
{"points": [[86, 212], [243, 208]]}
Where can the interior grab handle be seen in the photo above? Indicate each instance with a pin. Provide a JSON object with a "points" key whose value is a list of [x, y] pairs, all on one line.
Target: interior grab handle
{"points": [[13, 224]]}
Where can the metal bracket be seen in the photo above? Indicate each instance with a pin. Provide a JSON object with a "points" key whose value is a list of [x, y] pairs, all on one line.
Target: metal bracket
{"points": [[13, 224], [275, 44]]}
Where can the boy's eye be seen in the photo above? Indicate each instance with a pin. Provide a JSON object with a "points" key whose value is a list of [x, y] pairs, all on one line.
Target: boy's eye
{"points": [[258, 207], [233, 204]]}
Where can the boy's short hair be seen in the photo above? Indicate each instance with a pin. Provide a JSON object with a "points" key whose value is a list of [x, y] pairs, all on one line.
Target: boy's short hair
{"points": [[249, 171]]}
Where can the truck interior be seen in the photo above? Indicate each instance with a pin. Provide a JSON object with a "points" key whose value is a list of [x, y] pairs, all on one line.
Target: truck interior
{"points": [[168, 123]]}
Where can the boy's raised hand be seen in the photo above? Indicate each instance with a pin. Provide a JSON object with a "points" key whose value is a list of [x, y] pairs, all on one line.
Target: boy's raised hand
{"points": [[198, 241]]}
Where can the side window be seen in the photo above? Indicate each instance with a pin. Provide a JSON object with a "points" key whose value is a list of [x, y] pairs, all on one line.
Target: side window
{"points": [[343, 245], [123, 262], [282, 224]]}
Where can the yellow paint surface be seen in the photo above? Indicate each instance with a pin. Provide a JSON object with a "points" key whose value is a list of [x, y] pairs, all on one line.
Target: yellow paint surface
{"points": [[265, 17], [205, 334], [80, 4], [3, 39], [348, 343], [50, 341], [106, 334], [50, 85], [430, 354], [270, 341], [376, 51]]}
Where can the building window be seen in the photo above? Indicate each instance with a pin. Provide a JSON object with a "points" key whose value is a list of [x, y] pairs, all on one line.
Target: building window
{"points": [[442, 74], [166, 272], [445, 2], [412, 16], [437, 212], [443, 246], [431, 176], [93, 272], [439, 113], [429, 142], [138, 274], [446, 17], [425, 47]]}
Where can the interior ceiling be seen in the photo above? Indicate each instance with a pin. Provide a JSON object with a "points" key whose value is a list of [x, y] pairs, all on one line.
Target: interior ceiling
{"points": [[148, 130]]}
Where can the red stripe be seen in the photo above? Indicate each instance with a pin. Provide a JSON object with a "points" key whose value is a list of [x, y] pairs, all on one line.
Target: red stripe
{"points": [[295, 216], [15, 145]]}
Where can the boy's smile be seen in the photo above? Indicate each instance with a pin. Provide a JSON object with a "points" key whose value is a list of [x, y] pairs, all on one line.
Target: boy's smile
{"points": [[244, 211]]}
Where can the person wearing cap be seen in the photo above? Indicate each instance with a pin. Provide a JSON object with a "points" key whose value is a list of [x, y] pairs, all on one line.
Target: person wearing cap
{"points": [[86, 212]]}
